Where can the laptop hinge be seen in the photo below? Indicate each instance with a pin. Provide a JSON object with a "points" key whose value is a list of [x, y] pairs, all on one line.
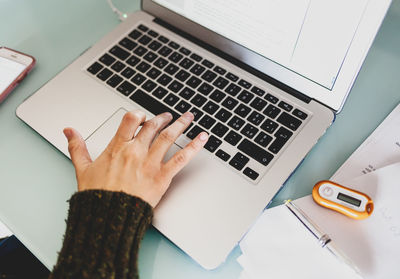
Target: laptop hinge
{"points": [[235, 61]]}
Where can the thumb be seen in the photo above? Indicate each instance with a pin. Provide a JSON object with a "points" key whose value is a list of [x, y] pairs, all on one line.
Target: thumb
{"points": [[77, 149]]}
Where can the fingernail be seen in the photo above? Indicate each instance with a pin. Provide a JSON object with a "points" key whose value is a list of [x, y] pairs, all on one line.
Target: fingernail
{"points": [[68, 133], [188, 115], [168, 114], [203, 136]]}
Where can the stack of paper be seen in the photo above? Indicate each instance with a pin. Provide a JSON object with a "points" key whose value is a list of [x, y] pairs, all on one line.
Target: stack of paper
{"points": [[279, 246]]}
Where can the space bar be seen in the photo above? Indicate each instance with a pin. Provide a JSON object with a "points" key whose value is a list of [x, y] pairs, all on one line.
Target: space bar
{"points": [[151, 104]]}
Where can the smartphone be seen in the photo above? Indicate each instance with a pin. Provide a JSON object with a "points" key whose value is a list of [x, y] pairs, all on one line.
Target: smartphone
{"points": [[14, 66]]}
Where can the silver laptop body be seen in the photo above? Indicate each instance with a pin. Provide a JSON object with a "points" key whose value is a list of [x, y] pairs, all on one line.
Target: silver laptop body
{"points": [[212, 202]]}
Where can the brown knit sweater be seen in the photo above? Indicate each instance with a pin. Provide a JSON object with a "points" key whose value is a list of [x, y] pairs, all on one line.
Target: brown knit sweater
{"points": [[103, 233]]}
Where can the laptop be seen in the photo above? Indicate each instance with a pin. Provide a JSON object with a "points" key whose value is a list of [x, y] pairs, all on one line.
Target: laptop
{"points": [[264, 78]]}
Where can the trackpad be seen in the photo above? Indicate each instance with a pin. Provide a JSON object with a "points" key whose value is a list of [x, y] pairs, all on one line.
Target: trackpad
{"points": [[101, 137]]}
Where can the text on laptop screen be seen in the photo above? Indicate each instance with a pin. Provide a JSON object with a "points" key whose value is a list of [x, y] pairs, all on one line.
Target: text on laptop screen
{"points": [[309, 37]]}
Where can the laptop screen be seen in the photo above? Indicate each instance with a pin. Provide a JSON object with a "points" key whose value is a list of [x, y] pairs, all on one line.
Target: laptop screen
{"points": [[309, 38]]}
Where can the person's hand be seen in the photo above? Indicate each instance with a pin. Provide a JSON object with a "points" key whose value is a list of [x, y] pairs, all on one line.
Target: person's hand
{"points": [[134, 164]]}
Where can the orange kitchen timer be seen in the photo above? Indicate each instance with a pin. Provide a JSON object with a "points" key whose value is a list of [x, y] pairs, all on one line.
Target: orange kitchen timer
{"points": [[349, 202]]}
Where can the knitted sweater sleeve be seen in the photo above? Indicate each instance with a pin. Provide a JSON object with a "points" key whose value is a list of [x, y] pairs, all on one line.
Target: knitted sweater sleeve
{"points": [[103, 233]]}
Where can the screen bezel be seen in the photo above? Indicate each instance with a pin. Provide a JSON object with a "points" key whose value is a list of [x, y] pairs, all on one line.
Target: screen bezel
{"points": [[362, 41]]}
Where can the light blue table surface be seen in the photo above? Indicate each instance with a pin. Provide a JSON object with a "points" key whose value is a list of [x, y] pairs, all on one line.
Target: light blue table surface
{"points": [[36, 179]]}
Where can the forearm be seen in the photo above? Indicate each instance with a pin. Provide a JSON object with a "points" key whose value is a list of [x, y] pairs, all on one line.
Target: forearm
{"points": [[103, 233]]}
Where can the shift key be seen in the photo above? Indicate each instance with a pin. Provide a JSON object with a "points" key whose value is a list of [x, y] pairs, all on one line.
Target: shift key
{"points": [[257, 153]]}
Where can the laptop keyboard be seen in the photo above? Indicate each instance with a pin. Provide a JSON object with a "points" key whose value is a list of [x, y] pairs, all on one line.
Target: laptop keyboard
{"points": [[160, 75]]}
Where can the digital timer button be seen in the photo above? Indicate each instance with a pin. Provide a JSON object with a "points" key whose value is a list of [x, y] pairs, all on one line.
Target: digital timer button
{"points": [[327, 191]]}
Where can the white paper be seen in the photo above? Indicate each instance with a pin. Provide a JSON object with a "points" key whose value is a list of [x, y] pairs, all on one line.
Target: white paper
{"points": [[372, 244]]}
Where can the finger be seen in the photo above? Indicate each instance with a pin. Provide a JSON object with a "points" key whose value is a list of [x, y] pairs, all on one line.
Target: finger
{"points": [[152, 127], [129, 124], [183, 156], [168, 136], [77, 149]]}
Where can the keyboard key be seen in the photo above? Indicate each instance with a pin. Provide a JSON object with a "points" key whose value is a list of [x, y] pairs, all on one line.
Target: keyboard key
{"points": [[193, 82], [239, 161], [197, 69], [223, 155], [196, 57], [182, 75], [126, 88], [149, 85], [271, 99], [244, 83], [196, 113], [150, 56], [153, 73], [164, 79], [140, 51], [154, 45], [232, 89], [151, 104], [250, 173], [144, 40], [119, 52], [175, 57], [118, 66], [223, 115], [285, 106], [107, 59], [300, 114], [95, 68], [242, 110], [232, 77], [236, 123], [207, 63], [160, 92], [160, 63], [205, 88], [229, 103], [165, 51], [219, 70], [128, 44], [143, 28], [212, 144], [104, 74], [133, 60], [289, 121], [207, 122], [258, 104], [186, 63], [171, 69], [186, 93], [232, 138], [182, 106], [173, 45], [220, 130], [246, 96], [152, 33], [220, 82], [271, 111], [198, 100], [194, 132], [135, 34], [249, 131], [282, 136], [209, 76], [256, 118], [210, 107], [263, 139], [254, 151], [163, 39], [114, 80], [143, 67], [257, 91], [217, 95], [175, 86], [269, 126], [184, 51], [138, 79], [171, 99]]}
